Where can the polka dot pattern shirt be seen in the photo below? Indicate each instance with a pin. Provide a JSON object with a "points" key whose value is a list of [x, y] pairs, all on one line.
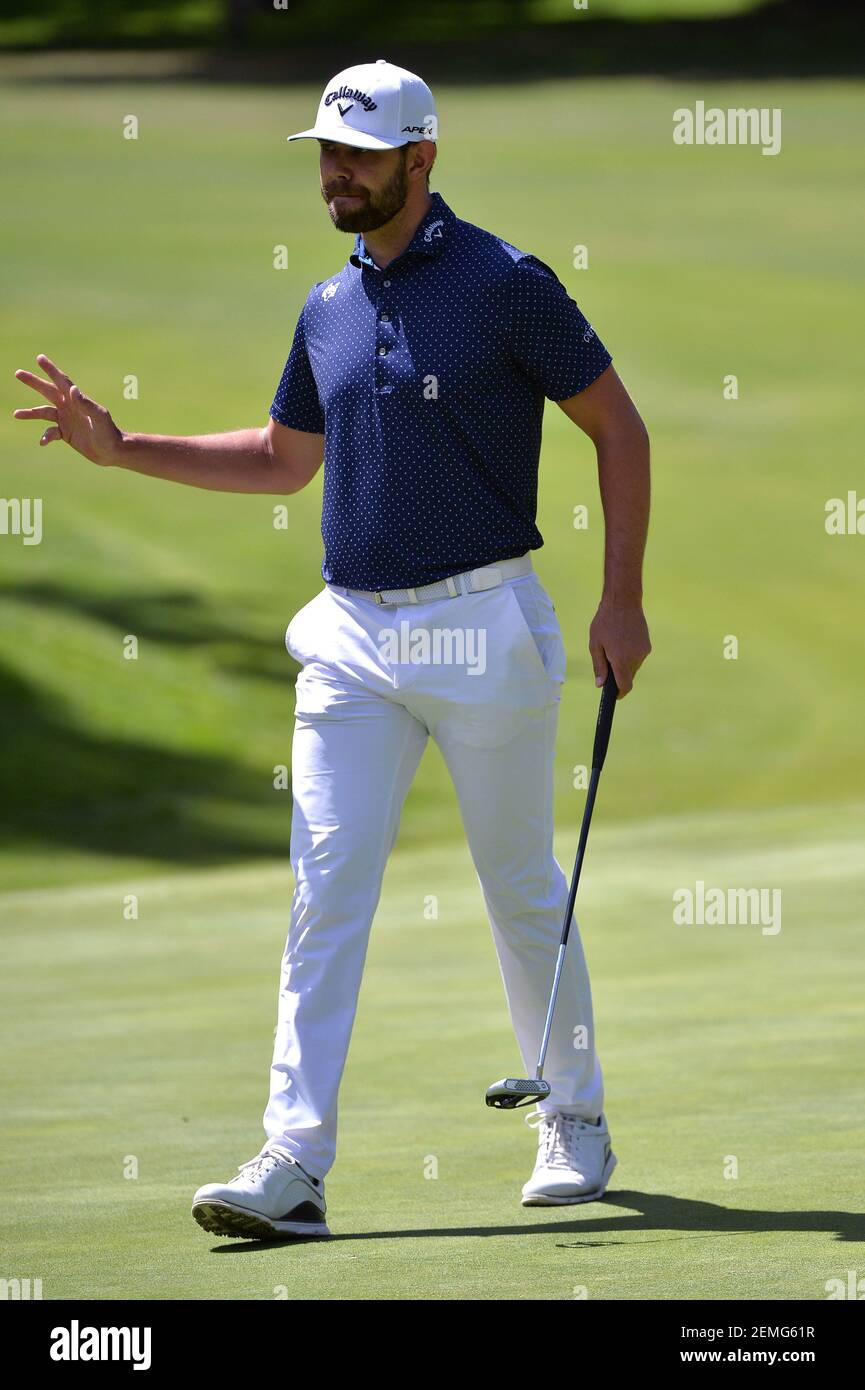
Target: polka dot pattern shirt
{"points": [[428, 379]]}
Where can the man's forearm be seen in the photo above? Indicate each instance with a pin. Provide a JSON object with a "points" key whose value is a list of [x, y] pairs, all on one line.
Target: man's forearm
{"points": [[240, 461], [623, 475]]}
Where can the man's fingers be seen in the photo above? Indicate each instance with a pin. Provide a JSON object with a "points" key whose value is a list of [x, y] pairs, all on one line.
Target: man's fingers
{"points": [[599, 662], [45, 388], [77, 395], [624, 680], [59, 378], [624, 676], [36, 412], [50, 435]]}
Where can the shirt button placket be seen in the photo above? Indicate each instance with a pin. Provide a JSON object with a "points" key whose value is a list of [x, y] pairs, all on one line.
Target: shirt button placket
{"points": [[384, 343]]}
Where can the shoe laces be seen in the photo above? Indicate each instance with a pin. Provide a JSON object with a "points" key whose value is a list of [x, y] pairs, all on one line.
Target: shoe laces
{"points": [[560, 1134], [263, 1164]]}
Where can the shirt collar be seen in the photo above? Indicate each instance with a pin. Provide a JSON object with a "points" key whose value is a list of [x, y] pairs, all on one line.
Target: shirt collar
{"points": [[431, 235]]}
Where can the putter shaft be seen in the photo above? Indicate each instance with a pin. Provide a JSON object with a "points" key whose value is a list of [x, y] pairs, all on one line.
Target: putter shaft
{"points": [[609, 695]]}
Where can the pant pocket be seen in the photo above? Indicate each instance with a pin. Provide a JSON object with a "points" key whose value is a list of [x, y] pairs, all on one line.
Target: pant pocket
{"points": [[537, 613]]}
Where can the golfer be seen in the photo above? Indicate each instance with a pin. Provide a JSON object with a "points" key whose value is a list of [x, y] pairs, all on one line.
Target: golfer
{"points": [[418, 373]]}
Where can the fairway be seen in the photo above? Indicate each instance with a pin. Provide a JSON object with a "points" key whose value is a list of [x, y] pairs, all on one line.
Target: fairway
{"points": [[136, 1050], [702, 262], [717, 1042]]}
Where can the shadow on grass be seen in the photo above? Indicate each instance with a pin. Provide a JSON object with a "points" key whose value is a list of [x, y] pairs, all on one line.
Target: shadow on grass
{"points": [[178, 619], [679, 1218], [63, 786]]}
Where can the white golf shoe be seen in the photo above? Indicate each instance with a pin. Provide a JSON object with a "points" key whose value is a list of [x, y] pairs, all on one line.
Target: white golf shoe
{"points": [[574, 1160], [272, 1196]]}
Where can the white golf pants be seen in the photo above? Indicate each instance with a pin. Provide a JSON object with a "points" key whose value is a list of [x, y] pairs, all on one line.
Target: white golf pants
{"points": [[481, 673]]}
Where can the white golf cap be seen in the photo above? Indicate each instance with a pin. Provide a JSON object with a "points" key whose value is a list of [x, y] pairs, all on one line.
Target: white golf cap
{"points": [[374, 106]]}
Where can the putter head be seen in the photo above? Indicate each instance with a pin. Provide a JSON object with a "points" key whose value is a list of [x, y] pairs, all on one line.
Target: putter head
{"points": [[510, 1093]]}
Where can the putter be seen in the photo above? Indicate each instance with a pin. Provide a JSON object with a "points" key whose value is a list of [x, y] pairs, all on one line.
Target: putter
{"points": [[511, 1092]]}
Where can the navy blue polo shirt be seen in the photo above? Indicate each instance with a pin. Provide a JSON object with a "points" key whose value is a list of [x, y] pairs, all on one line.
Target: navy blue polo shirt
{"points": [[428, 380]]}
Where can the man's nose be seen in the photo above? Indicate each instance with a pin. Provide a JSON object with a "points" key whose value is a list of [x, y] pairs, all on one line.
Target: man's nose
{"points": [[338, 169]]}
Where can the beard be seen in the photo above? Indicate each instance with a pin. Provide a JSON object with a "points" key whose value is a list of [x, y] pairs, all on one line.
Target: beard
{"points": [[373, 209]]}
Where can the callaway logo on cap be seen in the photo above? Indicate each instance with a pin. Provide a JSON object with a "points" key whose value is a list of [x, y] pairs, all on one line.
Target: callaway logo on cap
{"points": [[374, 106]]}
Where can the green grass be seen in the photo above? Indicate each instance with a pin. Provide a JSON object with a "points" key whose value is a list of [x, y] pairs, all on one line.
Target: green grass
{"points": [[150, 1040], [154, 258], [153, 1037]]}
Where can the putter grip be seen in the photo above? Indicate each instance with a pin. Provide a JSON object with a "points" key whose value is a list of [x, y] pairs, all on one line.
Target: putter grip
{"points": [[609, 695]]}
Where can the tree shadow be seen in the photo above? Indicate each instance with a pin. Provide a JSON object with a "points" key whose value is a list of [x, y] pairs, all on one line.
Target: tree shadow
{"points": [[64, 785], [179, 619]]}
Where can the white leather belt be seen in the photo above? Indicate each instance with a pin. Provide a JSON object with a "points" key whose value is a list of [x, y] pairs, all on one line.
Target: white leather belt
{"points": [[469, 582]]}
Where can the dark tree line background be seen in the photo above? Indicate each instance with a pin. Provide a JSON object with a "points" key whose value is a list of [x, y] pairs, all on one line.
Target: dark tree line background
{"points": [[497, 39]]}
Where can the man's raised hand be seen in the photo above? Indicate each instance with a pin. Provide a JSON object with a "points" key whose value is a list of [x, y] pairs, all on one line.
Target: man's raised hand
{"points": [[75, 418]]}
